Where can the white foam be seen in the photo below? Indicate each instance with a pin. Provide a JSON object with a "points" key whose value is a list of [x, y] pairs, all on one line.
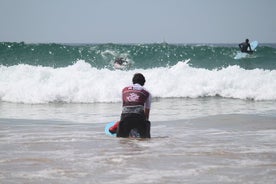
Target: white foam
{"points": [[83, 83], [232, 82]]}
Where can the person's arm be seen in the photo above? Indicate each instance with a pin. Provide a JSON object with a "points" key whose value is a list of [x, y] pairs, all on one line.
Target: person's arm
{"points": [[250, 47], [147, 112], [240, 45], [147, 107]]}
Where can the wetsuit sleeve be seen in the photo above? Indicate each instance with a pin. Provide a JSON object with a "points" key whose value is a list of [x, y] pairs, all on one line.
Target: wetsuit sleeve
{"points": [[148, 102], [148, 106], [249, 47], [240, 45]]}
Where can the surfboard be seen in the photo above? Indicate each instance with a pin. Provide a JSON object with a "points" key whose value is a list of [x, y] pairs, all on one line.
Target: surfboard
{"points": [[254, 45], [106, 130], [241, 55]]}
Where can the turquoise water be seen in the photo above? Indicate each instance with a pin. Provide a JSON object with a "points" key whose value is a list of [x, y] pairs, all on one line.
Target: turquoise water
{"points": [[208, 56]]}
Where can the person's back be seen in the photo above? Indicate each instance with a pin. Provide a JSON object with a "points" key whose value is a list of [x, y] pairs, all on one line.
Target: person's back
{"points": [[136, 108], [244, 46]]}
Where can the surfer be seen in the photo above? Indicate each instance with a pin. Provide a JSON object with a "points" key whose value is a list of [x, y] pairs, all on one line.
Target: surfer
{"points": [[244, 47], [136, 109], [120, 61]]}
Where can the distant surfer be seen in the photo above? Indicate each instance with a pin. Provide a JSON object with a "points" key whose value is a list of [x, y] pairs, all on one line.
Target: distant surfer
{"points": [[120, 61], [244, 47], [136, 109]]}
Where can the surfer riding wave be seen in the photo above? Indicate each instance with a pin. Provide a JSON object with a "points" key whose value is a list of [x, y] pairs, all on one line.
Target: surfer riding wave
{"points": [[244, 47]]}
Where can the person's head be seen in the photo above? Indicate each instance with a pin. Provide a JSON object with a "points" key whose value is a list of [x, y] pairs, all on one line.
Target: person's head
{"points": [[247, 41], [138, 78]]}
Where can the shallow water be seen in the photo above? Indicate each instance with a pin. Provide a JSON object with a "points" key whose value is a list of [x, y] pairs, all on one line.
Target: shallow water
{"points": [[214, 149], [162, 109], [203, 140]]}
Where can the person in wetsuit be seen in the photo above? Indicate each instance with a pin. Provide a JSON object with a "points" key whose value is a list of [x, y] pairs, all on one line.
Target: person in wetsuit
{"points": [[244, 47], [120, 61], [135, 110]]}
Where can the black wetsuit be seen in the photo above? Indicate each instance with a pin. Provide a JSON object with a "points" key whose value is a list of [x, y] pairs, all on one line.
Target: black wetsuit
{"points": [[133, 121], [244, 47]]}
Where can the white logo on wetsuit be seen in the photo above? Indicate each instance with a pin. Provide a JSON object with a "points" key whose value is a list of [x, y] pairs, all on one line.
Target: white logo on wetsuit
{"points": [[132, 97]]}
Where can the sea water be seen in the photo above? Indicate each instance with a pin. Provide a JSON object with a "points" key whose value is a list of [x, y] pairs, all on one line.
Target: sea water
{"points": [[213, 118]]}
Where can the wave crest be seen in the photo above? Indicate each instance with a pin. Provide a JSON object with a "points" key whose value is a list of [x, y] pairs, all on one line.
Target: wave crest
{"points": [[83, 83]]}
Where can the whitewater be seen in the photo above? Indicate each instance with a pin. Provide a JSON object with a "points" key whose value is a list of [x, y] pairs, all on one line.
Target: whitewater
{"points": [[83, 83]]}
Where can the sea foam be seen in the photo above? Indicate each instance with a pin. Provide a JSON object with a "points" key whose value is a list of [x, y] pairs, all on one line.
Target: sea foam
{"points": [[83, 83]]}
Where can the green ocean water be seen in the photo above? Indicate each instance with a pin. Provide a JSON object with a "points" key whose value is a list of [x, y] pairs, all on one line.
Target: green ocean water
{"points": [[208, 56]]}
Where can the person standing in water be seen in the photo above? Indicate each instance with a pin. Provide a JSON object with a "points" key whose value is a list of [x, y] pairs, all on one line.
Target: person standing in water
{"points": [[136, 109]]}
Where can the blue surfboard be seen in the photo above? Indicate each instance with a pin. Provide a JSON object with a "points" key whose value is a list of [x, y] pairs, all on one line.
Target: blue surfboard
{"points": [[254, 45], [106, 130]]}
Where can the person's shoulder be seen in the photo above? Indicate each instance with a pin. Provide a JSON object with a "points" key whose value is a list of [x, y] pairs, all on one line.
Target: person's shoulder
{"points": [[146, 90], [127, 88]]}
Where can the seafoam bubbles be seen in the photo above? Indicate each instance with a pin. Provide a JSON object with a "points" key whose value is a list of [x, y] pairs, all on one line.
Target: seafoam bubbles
{"points": [[78, 83], [83, 83], [181, 80]]}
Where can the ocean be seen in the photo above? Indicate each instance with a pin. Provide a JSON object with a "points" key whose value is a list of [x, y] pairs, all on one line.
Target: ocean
{"points": [[213, 118]]}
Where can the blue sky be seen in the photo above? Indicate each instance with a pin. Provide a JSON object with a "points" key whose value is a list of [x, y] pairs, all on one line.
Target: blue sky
{"points": [[137, 21]]}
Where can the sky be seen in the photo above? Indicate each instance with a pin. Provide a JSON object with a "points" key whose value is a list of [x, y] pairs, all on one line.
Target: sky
{"points": [[137, 21]]}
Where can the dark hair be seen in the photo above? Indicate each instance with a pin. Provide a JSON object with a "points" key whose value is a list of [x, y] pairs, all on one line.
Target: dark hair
{"points": [[246, 40], [138, 78]]}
